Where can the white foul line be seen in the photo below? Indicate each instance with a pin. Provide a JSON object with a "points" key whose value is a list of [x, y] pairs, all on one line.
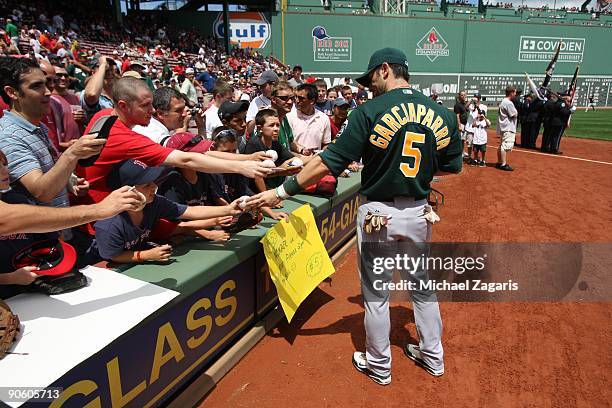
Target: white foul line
{"points": [[556, 156]]}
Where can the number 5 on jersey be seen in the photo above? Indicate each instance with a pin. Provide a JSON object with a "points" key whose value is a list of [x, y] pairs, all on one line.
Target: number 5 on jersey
{"points": [[410, 151]]}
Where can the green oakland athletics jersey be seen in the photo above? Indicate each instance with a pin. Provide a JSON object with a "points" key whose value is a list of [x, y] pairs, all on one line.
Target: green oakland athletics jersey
{"points": [[403, 138]]}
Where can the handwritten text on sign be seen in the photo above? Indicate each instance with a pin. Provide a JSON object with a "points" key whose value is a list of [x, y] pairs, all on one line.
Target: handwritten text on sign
{"points": [[297, 258]]}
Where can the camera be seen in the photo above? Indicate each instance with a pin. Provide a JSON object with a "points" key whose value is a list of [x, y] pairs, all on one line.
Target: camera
{"points": [[194, 110]]}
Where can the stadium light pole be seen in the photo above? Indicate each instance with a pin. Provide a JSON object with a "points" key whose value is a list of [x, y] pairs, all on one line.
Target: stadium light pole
{"points": [[226, 24]]}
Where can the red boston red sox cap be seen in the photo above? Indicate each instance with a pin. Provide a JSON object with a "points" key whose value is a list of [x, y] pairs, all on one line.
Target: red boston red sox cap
{"points": [[52, 257]]}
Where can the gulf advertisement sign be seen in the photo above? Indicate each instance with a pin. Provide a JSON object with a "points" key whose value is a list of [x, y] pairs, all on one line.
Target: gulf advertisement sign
{"points": [[247, 29]]}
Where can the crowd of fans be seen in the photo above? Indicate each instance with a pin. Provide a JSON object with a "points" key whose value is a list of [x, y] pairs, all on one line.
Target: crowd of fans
{"points": [[160, 150]]}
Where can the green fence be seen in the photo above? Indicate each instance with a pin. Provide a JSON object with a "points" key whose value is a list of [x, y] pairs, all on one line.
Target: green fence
{"points": [[455, 54]]}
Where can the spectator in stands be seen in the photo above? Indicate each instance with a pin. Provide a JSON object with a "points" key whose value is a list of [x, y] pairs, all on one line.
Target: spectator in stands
{"points": [[133, 106], [222, 92], [20, 219], [98, 90], [265, 82], [332, 94], [124, 237], [296, 77], [53, 117], [322, 103], [170, 115], [506, 128], [34, 163], [232, 186], [188, 87], [189, 187], [339, 115], [311, 128], [347, 93], [347, 82], [266, 138], [282, 102], [72, 113], [208, 78], [232, 115], [13, 33], [362, 97]]}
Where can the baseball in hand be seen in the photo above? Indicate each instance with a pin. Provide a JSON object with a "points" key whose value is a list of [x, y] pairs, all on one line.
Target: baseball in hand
{"points": [[272, 155], [243, 202], [268, 163], [143, 199], [296, 162]]}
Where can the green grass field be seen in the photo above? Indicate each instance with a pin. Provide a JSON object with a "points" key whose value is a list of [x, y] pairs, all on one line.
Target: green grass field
{"points": [[585, 125]]}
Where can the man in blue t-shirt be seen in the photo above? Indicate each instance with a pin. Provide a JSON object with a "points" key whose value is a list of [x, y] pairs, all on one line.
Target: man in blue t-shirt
{"points": [[208, 78]]}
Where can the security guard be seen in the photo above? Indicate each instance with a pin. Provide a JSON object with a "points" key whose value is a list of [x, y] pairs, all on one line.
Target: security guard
{"points": [[403, 138]]}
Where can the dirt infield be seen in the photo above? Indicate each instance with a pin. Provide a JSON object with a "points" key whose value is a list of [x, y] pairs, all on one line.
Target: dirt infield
{"points": [[496, 354]]}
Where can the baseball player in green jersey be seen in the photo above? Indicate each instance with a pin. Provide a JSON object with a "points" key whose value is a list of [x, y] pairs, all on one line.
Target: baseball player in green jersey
{"points": [[403, 138]]}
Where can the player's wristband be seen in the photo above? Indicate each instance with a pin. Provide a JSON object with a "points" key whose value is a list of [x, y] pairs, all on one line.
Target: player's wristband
{"points": [[291, 186], [281, 193], [138, 258]]}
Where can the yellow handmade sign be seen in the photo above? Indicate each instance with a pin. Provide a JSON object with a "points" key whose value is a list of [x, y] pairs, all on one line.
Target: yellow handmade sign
{"points": [[297, 258]]}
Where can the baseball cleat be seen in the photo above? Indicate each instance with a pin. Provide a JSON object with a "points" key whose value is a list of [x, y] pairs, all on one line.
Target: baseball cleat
{"points": [[413, 352], [359, 361]]}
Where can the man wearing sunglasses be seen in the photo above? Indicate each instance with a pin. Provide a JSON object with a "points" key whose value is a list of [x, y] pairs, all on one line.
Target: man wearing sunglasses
{"points": [[72, 113], [311, 127]]}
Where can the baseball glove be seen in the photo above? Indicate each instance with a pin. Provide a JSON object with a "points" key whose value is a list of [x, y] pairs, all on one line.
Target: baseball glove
{"points": [[9, 328]]}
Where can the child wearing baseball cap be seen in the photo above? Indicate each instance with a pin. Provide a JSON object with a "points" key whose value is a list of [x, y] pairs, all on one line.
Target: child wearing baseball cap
{"points": [[124, 237], [190, 187]]}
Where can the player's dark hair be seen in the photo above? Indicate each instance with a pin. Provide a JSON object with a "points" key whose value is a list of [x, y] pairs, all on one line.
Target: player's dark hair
{"points": [[163, 96], [297, 68], [262, 115], [11, 71], [311, 90], [320, 83], [400, 71]]}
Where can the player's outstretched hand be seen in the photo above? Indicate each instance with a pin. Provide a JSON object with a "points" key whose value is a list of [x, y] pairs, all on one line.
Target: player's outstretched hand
{"points": [[252, 169], [266, 199]]}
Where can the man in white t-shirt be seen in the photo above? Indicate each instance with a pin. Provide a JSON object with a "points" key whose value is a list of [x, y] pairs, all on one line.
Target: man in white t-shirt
{"points": [[265, 82], [221, 92], [311, 128], [506, 128], [170, 116]]}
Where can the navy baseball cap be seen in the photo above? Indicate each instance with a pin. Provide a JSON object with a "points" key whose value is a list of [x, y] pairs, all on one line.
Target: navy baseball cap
{"points": [[134, 172], [361, 94], [388, 55]]}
